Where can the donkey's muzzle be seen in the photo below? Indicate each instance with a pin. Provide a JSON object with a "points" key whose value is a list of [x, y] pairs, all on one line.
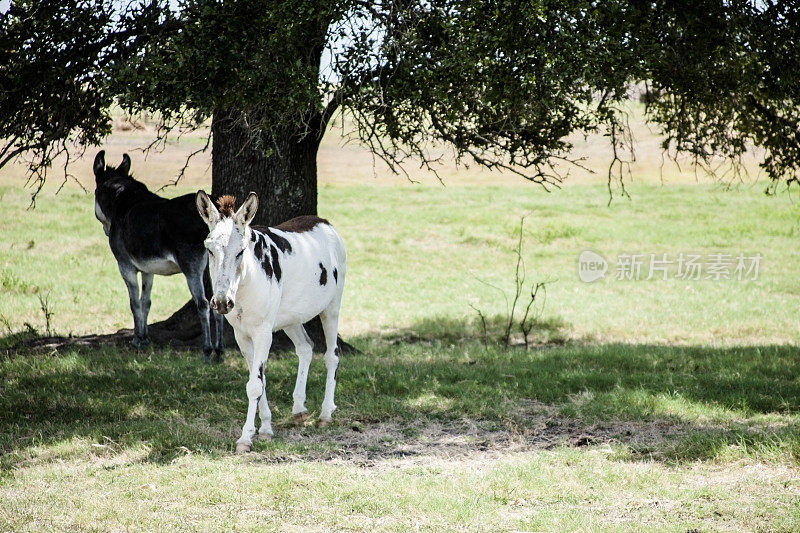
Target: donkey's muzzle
{"points": [[221, 304]]}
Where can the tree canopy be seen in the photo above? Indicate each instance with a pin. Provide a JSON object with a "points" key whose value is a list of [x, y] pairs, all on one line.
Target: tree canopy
{"points": [[504, 83]]}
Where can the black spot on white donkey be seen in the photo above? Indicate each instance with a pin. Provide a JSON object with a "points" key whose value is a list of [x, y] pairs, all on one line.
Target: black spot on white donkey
{"points": [[268, 279], [153, 235]]}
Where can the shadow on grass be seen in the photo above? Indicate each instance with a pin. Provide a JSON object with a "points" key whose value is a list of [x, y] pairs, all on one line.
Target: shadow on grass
{"points": [[486, 330], [446, 396]]}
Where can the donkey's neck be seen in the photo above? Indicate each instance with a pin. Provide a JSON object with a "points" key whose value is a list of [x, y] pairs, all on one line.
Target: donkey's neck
{"points": [[130, 192], [250, 261], [254, 287], [258, 264]]}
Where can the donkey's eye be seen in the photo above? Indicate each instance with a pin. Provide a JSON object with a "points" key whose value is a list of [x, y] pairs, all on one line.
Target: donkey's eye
{"points": [[211, 253], [239, 254]]}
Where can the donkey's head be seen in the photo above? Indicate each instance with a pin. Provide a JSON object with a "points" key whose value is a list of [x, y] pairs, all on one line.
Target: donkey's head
{"points": [[108, 187], [226, 243]]}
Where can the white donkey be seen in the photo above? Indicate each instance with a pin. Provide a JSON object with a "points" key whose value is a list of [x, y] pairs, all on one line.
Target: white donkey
{"points": [[268, 279]]}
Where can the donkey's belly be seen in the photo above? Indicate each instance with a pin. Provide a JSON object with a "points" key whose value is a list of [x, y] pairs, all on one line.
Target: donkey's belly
{"points": [[162, 266]]}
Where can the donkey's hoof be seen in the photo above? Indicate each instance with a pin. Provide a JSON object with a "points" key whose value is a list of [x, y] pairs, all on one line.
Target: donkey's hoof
{"points": [[324, 423], [263, 436], [242, 447], [139, 343], [300, 418]]}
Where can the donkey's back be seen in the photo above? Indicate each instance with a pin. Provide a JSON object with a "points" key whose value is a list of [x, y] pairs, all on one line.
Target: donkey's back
{"points": [[161, 236], [312, 263]]}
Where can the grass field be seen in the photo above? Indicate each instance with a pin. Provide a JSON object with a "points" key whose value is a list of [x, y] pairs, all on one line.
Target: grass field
{"points": [[642, 405]]}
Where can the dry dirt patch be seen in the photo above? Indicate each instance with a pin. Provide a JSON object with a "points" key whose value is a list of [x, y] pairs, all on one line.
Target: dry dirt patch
{"points": [[395, 443]]}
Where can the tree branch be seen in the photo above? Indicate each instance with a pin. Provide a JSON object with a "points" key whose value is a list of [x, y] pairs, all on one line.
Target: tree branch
{"points": [[773, 117]]}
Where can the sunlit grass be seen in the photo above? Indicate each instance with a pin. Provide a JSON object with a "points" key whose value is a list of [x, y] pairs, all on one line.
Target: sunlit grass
{"points": [[421, 252]]}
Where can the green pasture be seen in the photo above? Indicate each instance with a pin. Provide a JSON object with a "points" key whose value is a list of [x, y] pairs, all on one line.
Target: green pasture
{"points": [[640, 404], [419, 254]]}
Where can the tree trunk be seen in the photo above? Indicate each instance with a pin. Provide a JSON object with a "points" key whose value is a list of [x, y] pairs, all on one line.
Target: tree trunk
{"points": [[285, 180]]}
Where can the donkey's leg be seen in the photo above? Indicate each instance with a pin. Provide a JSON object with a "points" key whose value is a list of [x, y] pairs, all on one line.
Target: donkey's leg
{"points": [[255, 387], [330, 327], [195, 282], [304, 347], [218, 319], [219, 323], [147, 286], [132, 283], [246, 346]]}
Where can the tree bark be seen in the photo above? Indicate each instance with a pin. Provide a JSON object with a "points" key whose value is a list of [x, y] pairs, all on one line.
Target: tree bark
{"points": [[285, 179]]}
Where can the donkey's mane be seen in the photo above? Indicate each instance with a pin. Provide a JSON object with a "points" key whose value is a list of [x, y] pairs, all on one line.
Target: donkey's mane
{"points": [[226, 204]]}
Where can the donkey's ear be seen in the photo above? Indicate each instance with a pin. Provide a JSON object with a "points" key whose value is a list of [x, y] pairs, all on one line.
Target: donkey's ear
{"points": [[99, 165], [125, 166], [247, 211], [206, 208]]}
